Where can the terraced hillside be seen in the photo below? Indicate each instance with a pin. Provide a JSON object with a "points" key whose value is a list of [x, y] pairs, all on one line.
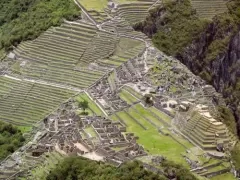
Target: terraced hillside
{"points": [[71, 58], [25, 103], [134, 11], [209, 8], [54, 55], [134, 94]]}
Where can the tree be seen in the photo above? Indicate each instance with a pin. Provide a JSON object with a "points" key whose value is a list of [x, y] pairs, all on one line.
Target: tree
{"points": [[148, 99], [83, 105]]}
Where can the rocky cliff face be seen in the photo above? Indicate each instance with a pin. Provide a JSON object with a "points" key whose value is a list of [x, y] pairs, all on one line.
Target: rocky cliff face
{"points": [[222, 71]]}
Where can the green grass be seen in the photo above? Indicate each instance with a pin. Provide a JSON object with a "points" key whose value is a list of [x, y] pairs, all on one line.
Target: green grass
{"points": [[146, 113], [133, 92], [40, 172], [91, 104], [25, 129], [114, 118], [153, 142], [225, 176], [162, 115], [97, 5], [80, 111], [125, 96], [91, 131]]}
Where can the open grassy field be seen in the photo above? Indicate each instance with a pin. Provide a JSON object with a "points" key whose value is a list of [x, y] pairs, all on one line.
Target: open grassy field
{"points": [[153, 141], [90, 131], [92, 106], [97, 5]]}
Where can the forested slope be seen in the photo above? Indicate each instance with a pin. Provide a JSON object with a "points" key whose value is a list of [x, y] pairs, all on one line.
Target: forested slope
{"points": [[81, 168], [11, 139], [26, 19]]}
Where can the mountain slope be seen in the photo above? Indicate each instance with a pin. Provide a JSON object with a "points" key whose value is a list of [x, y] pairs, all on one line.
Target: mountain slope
{"points": [[210, 49], [26, 19]]}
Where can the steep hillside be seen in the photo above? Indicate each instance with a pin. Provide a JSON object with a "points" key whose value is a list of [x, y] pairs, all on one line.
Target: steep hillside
{"points": [[73, 168], [176, 29], [10, 139], [209, 48], [95, 88], [26, 19]]}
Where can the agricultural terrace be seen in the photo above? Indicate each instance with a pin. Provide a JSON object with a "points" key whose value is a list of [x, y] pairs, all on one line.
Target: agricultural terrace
{"points": [[125, 49], [208, 9], [53, 56], [135, 11], [97, 5], [24, 103], [152, 132], [96, 9]]}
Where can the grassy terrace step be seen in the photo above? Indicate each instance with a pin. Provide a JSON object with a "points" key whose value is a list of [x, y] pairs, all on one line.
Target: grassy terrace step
{"points": [[90, 131], [77, 27], [48, 53], [54, 37], [69, 45], [67, 34], [161, 115], [147, 115], [80, 75], [57, 47], [109, 63], [210, 8], [82, 34], [140, 118], [125, 96]]}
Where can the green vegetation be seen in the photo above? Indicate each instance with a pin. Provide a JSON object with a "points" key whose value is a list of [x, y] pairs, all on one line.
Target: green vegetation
{"points": [[51, 159], [26, 19], [176, 29], [91, 131], [225, 176], [10, 139], [229, 118], [91, 105], [236, 156], [83, 105], [126, 96], [25, 129], [152, 140], [81, 168]]}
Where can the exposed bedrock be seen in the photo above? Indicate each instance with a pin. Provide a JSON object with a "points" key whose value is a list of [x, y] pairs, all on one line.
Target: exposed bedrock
{"points": [[223, 71]]}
